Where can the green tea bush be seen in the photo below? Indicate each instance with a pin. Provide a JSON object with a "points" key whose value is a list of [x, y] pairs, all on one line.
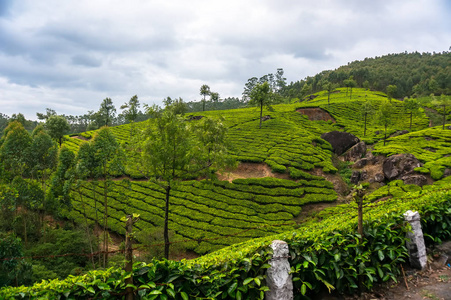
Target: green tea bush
{"points": [[326, 254]]}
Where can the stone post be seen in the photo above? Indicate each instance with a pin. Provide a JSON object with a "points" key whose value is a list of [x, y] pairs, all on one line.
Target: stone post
{"points": [[415, 244], [278, 276]]}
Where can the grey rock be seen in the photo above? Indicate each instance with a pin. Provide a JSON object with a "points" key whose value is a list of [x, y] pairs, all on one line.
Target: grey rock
{"points": [[379, 177], [340, 141], [363, 175], [415, 241], [356, 152], [360, 163], [419, 180], [355, 177], [278, 276], [399, 165], [445, 248]]}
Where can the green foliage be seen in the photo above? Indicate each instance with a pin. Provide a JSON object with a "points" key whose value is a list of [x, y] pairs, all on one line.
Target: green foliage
{"points": [[430, 146], [130, 109], [59, 242], [325, 254], [412, 73], [261, 96], [58, 196], [12, 271], [14, 150], [57, 127]]}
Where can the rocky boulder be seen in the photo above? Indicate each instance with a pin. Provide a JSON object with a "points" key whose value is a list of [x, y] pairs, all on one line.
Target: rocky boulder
{"points": [[340, 141], [356, 152], [419, 180], [360, 163], [355, 177], [400, 165]]}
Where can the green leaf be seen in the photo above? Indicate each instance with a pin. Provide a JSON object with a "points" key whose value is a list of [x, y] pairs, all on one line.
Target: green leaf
{"points": [[238, 295], [171, 292], [381, 255], [247, 280], [163, 297], [257, 281], [303, 289], [232, 287], [184, 296]]}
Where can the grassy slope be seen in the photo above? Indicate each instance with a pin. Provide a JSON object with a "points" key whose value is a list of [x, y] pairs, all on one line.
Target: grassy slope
{"points": [[288, 143]]}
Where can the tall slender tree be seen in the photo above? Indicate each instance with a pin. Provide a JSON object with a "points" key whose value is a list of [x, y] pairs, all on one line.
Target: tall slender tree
{"points": [[366, 110], [109, 157], [261, 96], [411, 107], [173, 150], [106, 112], [204, 91], [385, 117], [131, 109], [443, 102], [14, 150], [391, 91], [57, 127]]}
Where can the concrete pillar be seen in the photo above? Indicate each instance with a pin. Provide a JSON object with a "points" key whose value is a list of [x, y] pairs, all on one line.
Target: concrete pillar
{"points": [[415, 244], [278, 276]]}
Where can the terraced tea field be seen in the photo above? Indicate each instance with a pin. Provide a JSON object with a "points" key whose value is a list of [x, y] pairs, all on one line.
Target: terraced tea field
{"points": [[220, 213], [201, 210]]}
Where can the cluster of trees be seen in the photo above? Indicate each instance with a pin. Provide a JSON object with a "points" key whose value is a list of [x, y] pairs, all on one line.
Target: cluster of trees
{"points": [[387, 113], [34, 182], [38, 177], [413, 74]]}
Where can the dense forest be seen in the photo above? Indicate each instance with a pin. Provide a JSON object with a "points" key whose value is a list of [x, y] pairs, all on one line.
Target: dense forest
{"points": [[413, 74]]}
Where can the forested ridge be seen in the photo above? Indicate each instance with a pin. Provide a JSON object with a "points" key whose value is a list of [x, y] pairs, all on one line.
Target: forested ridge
{"points": [[414, 74], [203, 179]]}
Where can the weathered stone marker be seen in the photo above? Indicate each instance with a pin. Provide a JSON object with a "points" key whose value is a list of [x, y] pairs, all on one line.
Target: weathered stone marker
{"points": [[415, 244], [278, 276]]}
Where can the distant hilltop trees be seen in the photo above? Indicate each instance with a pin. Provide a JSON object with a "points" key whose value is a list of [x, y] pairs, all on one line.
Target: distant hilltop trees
{"points": [[413, 74]]}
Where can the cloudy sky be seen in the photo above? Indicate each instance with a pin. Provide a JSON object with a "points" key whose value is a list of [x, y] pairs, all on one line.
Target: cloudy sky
{"points": [[69, 55]]}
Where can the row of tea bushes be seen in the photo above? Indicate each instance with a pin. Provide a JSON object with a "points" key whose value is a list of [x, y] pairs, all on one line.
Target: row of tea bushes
{"points": [[246, 208], [325, 253]]}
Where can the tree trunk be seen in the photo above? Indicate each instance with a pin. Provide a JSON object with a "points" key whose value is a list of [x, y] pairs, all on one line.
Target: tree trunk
{"points": [[360, 218], [87, 228], [261, 114], [166, 219], [385, 134], [410, 128], [24, 227], [129, 256], [364, 129], [105, 224], [97, 220]]}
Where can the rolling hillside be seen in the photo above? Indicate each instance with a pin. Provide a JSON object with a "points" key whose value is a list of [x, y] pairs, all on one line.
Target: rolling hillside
{"points": [[220, 213]]}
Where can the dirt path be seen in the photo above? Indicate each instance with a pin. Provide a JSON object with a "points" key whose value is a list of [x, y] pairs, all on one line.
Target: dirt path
{"points": [[434, 284], [251, 170]]}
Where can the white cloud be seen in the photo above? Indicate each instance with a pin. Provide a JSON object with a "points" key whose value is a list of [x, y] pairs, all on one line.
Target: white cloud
{"points": [[69, 55]]}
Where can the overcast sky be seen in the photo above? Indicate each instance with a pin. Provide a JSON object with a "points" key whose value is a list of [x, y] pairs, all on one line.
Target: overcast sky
{"points": [[69, 55]]}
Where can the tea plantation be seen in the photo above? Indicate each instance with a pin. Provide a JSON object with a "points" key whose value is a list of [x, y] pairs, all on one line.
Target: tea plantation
{"points": [[233, 223], [214, 214]]}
